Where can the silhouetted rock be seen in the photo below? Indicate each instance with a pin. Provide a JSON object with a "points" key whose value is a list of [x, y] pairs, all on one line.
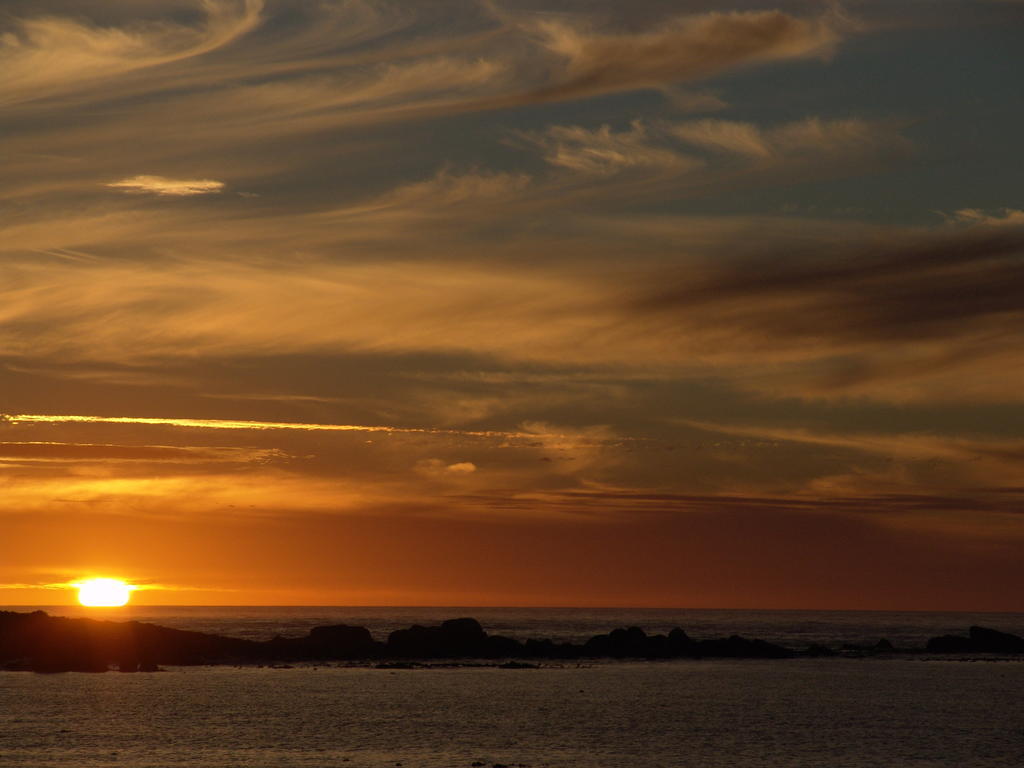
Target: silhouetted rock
{"points": [[541, 649], [498, 647], [338, 641], [992, 641], [618, 644], [949, 644], [36, 641], [463, 630], [679, 643], [981, 640], [53, 644], [455, 638], [634, 643], [657, 647], [737, 647], [416, 642]]}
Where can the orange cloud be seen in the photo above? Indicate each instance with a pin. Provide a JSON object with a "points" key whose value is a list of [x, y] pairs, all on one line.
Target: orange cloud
{"points": [[809, 137], [158, 185], [898, 314], [51, 451], [30, 418], [605, 152], [50, 55], [684, 48]]}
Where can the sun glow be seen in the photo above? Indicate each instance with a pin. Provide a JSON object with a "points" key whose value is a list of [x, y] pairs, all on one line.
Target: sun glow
{"points": [[104, 593]]}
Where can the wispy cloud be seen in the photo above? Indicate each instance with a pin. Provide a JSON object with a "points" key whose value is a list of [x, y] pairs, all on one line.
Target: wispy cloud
{"points": [[898, 462], [48, 55], [975, 216], [896, 313], [304, 80], [453, 290], [603, 151], [809, 137], [158, 185], [136, 585], [35, 418], [684, 48], [670, 150], [51, 451]]}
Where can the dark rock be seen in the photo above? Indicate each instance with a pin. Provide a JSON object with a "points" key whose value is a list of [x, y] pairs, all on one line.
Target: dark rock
{"points": [[36, 641], [949, 644], [679, 643], [657, 647], [453, 639], [498, 647], [464, 630], [54, 644], [541, 649], [737, 647], [548, 649], [416, 642], [992, 641], [618, 644], [981, 640], [341, 641]]}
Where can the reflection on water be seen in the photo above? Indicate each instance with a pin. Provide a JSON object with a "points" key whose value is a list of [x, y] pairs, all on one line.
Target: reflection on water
{"points": [[835, 712]]}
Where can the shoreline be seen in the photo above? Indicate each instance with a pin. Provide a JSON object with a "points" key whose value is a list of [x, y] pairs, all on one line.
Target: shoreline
{"points": [[42, 643]]}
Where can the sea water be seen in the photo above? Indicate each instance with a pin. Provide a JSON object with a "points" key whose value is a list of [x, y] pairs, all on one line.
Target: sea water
{"points": [[843, 712]]}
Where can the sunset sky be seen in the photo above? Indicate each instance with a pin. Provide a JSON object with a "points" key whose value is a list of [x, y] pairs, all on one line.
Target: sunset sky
{"points": [[513, 302]]}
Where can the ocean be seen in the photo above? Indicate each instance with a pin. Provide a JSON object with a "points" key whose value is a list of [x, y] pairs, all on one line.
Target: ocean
{"points": [[844, 712]]}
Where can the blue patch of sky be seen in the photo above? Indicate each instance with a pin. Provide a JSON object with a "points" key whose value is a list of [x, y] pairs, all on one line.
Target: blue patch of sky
{"points": [[956, 90]]}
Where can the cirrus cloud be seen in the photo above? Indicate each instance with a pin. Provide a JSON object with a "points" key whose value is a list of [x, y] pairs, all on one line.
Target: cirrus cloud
{"points": [[159, 185], [49, 55]]}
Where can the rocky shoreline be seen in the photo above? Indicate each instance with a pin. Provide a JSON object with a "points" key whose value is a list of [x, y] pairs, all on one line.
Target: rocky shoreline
{"points": [[39, 642]]}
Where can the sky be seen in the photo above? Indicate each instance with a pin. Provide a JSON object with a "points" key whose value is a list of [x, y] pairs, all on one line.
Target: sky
{"points": [[510, 302]]}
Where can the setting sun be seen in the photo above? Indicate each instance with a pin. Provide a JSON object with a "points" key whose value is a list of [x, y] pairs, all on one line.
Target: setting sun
{"points": [[104, 593]]}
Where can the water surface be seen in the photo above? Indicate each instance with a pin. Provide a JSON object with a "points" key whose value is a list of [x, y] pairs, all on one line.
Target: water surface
{"points": [[846, 713]]}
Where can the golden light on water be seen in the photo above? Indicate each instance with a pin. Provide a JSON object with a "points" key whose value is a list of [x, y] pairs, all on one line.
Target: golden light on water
{"points": [[104, 593]]}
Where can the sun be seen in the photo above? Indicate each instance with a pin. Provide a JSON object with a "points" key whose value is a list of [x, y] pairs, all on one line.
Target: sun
{"points": [[104, 593]]}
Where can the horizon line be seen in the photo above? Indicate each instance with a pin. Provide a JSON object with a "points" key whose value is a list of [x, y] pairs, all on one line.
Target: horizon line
{"points": [[130, 606]]}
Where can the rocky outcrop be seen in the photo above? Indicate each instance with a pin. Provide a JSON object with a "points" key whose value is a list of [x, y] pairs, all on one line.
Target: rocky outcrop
{"points": [[634, 643], [624, 643], [979, 640], [992, 641], [949, 644], [337, 641], [46, 643], [453, 639], [43, 643]]}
